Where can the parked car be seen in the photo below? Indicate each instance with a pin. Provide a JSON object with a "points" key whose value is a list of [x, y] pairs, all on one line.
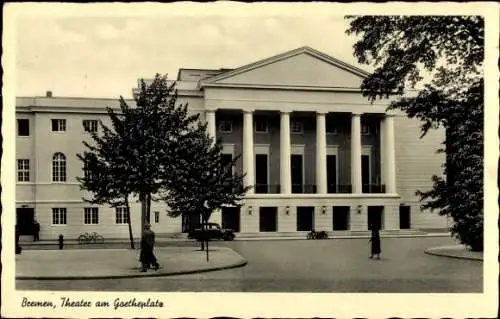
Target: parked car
{"points": [[214, 231]]}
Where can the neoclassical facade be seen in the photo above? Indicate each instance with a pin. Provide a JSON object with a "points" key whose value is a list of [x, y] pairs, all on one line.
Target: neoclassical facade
{"points": [[318, 154]]}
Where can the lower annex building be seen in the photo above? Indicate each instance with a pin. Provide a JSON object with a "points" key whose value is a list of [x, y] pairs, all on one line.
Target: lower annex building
{"points": [[319, 155]]}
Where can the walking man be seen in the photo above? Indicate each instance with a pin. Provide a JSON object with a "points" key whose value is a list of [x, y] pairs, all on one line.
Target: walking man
{"points": [[147, 257], [375, 240], [36, 230]]}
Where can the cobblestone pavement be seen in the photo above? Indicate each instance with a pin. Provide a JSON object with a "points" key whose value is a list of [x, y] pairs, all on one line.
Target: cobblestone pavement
{"points": [[312, 266]]}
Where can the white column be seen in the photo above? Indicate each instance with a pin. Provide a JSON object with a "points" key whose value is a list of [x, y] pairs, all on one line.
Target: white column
{"points": [[356, 153], [285, 160], [389, 155], [321, 187], [210, 118], [248, 151]]}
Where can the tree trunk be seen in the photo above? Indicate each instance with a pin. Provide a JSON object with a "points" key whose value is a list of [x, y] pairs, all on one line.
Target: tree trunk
{"points": [[143, 212], [131, 236], [148, 208], [206, 236]]}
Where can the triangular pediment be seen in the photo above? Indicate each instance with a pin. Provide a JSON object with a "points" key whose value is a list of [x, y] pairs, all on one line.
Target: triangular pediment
{"points": [[303, 67]]}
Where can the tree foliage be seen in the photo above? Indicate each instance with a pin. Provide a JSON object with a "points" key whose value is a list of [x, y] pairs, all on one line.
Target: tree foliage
{"points": [[449, 50], [134, 157], [204, 180]]}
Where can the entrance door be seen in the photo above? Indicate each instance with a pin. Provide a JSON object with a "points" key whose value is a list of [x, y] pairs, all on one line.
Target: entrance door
{"points": [[24, 219], [305, 218], [331, 173], [261, 174], [375, 214], [268, 219], [231, 218], [341, 217], [297, 172], [404, 217], [365, 173]]}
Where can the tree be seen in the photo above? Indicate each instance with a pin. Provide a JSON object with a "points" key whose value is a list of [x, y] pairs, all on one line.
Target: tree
{"points": [[204, 180], [450, 51], [137, 153]]}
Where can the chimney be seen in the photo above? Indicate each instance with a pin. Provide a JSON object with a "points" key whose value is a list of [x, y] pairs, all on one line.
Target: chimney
{"points": [[48, 94]]}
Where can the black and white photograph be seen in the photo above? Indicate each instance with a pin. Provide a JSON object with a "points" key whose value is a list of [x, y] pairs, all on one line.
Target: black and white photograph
{"points": [[250, 160]]}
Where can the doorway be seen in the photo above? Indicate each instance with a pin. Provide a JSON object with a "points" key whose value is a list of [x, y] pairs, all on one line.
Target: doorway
{"points": [[261, 172], [268, 219], [305, 218], [365, 173], [297, 173], [231, 218], [404, 217], [24, 220], [375, 217], [331, 173], [341, 217]]}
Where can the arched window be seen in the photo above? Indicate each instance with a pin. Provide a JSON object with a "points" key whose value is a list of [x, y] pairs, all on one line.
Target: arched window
{"points": [[58, 167]]}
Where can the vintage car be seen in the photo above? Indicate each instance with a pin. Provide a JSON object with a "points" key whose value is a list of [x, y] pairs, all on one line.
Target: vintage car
{"points": [[213, 231]]}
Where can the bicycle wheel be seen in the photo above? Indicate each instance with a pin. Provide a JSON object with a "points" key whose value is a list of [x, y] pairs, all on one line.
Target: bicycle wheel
{"points": [[99, 239], [82, 239]]}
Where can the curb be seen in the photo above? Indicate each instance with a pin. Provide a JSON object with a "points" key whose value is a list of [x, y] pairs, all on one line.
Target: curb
{"points": [[241, 263], [436, 252]]}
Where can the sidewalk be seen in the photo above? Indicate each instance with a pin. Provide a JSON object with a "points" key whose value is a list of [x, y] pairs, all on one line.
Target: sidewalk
{"points": [[173, 238], [456, 251], [120, 263]]}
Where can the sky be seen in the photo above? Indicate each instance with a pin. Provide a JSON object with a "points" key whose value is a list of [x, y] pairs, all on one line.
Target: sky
{"points": [[103, 55]]}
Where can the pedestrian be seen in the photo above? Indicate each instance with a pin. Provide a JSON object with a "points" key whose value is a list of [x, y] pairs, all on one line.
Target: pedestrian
{"points": [[375, 243], [60, 239], [147, 256], [36, 230]]}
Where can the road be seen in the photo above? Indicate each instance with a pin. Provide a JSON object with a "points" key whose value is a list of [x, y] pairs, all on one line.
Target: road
{"points": [[337, 265]]}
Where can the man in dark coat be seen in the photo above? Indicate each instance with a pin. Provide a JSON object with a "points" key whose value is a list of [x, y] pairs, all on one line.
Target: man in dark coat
{"points": [[375, 240], [36, 230], [147, 257]]}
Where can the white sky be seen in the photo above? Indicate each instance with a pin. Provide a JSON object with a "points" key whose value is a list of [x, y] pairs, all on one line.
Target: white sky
{"points": [[104, 56]]}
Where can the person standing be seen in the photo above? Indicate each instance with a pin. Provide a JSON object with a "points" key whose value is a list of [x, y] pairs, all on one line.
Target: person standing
{"points": [[375, 244], [36, 230], [147, 257]]}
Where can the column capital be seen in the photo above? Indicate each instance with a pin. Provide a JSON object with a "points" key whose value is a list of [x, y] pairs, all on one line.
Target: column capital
{"points": [[248, 111], [211, 110], [321, 113], [285, 112], [356, 113], [390, 115]]}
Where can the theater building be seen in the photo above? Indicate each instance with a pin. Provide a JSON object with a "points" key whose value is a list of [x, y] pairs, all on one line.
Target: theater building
{"points": [[319, 155]]}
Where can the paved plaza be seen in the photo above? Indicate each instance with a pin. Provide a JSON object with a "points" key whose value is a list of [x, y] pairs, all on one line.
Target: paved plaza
{"points": [[336, 265]]}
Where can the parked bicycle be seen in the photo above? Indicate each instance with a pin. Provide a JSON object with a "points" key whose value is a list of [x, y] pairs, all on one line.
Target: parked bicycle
{"points": [[317, 235], [90, 238]]}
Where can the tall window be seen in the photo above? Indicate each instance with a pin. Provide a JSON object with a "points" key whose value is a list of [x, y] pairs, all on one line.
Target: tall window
{"points": [[59, 216], [87, 173], [59, 167], [297, 126], [331, 127], [23, 170], [91, 215], [90, 125], [122, 215], [225, 126], [365, 129], [157, 217], [58, 125], [23, 127], [260, 124]]}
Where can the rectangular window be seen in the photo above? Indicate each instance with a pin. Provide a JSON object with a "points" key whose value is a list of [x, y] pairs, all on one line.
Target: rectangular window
{"points": [[225, 126], [90, 125], [122, 215], [297, 126], [260, 124], [23, 127], [91, 216], [365, 129], [58, 125], [157, 217], [59, 216], [23, 170]]}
